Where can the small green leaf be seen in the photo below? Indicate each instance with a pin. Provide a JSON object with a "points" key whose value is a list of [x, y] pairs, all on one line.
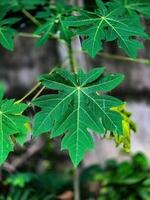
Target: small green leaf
{"points": [[7, 37], [45, 30]]}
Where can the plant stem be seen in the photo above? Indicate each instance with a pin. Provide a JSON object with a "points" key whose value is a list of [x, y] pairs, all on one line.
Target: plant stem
{"points": [[38, 93], [31, 17], [73, 64], [76, 184], [34, 88], [29, 35], [29, 93], [123, 58]]}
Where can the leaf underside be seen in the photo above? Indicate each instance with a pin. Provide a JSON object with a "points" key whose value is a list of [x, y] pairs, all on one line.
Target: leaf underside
{"points": [[78, 109]]}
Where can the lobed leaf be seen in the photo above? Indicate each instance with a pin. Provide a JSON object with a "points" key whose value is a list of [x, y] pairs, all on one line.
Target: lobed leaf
{"points": [[108, 22], [78, 108]]}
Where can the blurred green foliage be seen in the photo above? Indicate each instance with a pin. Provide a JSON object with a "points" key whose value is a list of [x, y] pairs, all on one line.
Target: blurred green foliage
{"points": [[123, 181], [32, 186], [128, 180]]}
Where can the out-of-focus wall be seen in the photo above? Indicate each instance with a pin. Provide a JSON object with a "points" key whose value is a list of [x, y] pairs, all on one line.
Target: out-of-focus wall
{"points": [[19, 69]]}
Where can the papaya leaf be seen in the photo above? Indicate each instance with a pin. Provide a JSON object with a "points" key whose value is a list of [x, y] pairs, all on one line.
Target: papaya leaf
{"points": [[11, 122], [107, 24], [77, 108], [131, 6]]}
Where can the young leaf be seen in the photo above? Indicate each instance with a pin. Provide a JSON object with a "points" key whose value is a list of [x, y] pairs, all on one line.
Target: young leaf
{"points": [[11, 122], [128, 126], [108, 24], [77, 108]]}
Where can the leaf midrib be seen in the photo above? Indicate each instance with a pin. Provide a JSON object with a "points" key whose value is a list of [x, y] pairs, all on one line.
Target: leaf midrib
{"points": [[100, 108], [97, 30], [78, 125], [116, 31], [54, 109], [2, 138]]}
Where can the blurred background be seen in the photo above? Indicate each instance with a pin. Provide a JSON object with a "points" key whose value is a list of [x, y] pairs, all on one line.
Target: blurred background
{"points": [[19, 71]]}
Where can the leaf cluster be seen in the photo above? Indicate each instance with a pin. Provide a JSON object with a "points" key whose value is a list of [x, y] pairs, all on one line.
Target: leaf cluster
{"points": [[120, 181], [114, 21], [27, 185], [117, 21]]}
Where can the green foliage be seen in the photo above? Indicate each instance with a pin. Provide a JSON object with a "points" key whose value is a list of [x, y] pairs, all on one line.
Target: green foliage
{"points": [[131, 6], [25, 186], [54, 25], [108, 24], [19, 179], [120, 181], [112, 21], [12, 125], [124, 181], [7, 33], [17, 5], [77, 108]]}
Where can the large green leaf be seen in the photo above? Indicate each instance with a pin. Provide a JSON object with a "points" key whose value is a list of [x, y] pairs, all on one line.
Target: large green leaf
{"points": [[107, 24], [12, 124], [78, 108]]}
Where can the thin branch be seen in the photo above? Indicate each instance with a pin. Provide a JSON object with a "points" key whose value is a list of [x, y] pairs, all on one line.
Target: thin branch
{"points": [[38, 93], [29, 93], [123, 58], [31, 17], [29, 35], [32, 35], [34, 88], [73, 64]]}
